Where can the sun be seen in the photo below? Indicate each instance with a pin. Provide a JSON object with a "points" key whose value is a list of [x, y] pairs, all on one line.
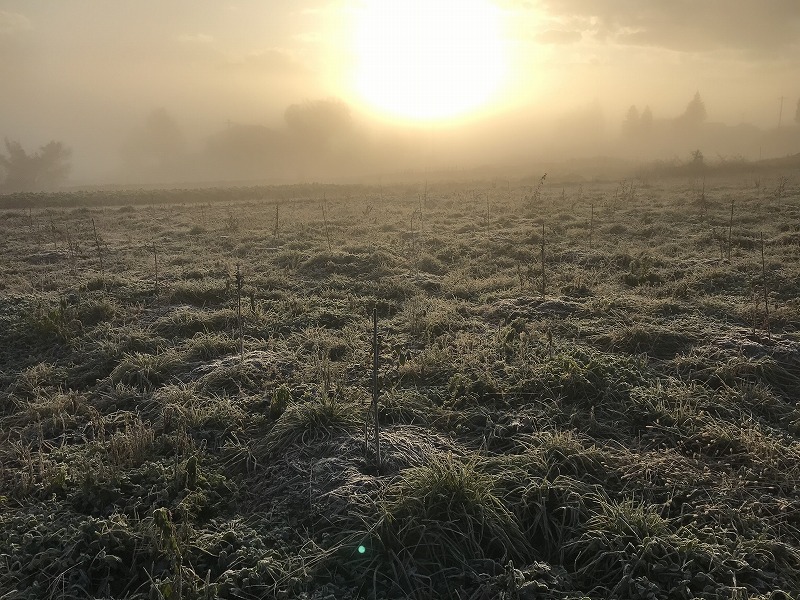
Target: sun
{"points": [[427, 60]]}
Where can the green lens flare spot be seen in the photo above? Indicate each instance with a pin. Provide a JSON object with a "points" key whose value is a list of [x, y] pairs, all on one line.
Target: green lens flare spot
{"points": [[361, 549]]}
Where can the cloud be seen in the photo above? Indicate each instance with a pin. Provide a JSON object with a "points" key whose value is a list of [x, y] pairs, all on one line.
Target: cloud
{"points": [[749, 26], [11, 22], [195, 38], [559, 36], [272, 61]]}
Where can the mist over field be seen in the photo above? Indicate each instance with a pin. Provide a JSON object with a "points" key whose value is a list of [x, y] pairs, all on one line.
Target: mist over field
{"points": [[390, 299], [208, 92]]}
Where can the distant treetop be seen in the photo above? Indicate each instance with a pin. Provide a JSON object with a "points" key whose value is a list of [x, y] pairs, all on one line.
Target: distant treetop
{"points": [[47, 169], [695, 113]]}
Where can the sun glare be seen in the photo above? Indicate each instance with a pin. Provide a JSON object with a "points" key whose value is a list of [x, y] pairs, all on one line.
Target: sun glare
{"points": [[428, 60]]}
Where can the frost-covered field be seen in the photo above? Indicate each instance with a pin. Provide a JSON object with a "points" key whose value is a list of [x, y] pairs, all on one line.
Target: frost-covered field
{"points": [[582, 392]]}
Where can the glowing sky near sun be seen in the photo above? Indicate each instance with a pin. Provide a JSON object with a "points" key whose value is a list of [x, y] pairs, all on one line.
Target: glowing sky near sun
{"points": [[87, 71], [428, 59]]}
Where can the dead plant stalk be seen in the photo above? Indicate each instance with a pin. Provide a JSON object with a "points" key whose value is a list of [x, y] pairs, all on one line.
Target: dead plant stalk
{"points": [[99, 249], [155, 268], [325, 223], [766, 288], [730, 231], [544, 273], [375, 388], [239, 311]]}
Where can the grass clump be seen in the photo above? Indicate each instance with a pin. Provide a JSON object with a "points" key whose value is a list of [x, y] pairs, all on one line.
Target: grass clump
{"points": [[133, 445], [184, 408], [209, 345], [654, 340], [629, 551], [280, 401], [440, 518], [551, 489], [69, 555], [722, 369], [661, 413], [96, 311], [232, 375], [583, 375], [551, 512], [31, 381], [55, 414], [311, 423], [47, 323], [187, 322], [146, 371], [564, 454], [428, 318], [196, 294]]}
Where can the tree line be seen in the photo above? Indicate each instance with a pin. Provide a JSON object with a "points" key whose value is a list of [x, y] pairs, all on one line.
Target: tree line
{"points": [[46, 169], [640, 124]]}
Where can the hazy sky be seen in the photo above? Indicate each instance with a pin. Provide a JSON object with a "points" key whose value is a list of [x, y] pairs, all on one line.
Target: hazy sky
{"points": [[87, 71], [741, 54]]}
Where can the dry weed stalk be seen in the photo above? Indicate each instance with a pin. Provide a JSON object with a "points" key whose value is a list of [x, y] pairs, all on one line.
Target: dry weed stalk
{"points": [[488, 235], [730, 231], [766, 289], [544, 274], [239, 312], [375, 387], [155, 268], [99, 249], [325, 223]]}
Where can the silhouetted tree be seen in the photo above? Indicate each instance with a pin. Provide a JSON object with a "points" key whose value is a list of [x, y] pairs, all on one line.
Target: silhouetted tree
{"points": [[632, 123], [317, 123], [697, 164], [584, 127], [157, 143], [246, 152], [797, 113], [45, 170], [695, 113], [646, 121]]}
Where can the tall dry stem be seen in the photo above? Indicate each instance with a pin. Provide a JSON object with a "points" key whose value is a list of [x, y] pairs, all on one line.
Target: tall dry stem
{"points": [[544, 271], [375, 388], [239, 311], [730, 231], [766, 289]]}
